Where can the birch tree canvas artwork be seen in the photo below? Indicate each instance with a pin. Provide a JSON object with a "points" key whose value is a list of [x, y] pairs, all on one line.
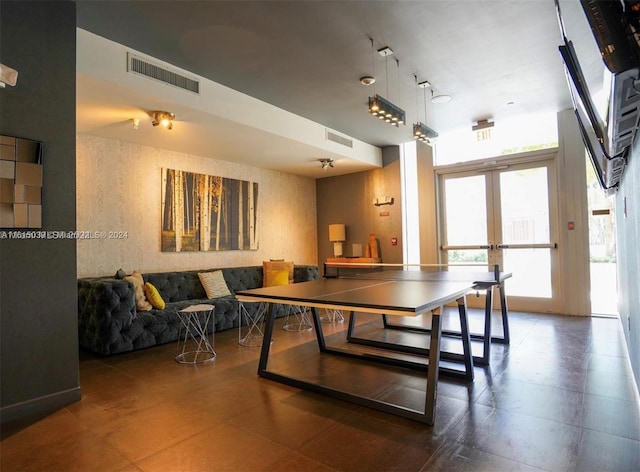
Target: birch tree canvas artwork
{"points": [[208, 213]]}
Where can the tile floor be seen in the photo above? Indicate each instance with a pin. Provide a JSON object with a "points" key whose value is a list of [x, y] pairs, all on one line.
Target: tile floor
{"points": [[560, 397]]}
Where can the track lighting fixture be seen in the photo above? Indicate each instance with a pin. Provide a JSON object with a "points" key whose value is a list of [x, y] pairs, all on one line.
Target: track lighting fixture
{"points": [[422, 132], [379, 106], [326, 163], [387, 111], [163, 118]]}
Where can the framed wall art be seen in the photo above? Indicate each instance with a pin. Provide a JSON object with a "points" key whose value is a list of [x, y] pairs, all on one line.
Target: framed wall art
{"points": [[208, 213]]}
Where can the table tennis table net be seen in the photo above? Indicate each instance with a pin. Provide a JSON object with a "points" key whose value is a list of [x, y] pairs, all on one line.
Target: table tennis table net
{"points": [[407, 272]]}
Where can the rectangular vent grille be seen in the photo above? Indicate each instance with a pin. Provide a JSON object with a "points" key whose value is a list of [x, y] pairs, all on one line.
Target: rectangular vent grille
{"points": [[336, 138], [141, 66]]}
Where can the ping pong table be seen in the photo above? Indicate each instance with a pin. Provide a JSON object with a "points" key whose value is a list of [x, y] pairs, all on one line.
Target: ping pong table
{"points": [[482, 280], [376, 296]]}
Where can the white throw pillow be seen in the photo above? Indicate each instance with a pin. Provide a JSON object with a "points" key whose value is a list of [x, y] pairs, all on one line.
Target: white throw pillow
{"points": [[214, 284]]}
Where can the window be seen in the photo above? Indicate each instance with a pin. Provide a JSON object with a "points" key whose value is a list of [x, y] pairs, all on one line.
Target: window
{"points": [[509, 136]]}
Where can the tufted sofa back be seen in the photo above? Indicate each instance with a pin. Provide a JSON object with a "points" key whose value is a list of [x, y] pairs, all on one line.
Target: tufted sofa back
{"points": [[185, 285], [109, 323], [177, 286]]}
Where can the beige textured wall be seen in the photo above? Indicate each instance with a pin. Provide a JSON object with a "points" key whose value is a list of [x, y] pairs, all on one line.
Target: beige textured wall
{"points": [[119, 190]]}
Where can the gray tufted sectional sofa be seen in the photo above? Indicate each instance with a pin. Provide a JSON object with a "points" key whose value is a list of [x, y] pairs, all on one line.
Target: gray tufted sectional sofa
{"points": [[108, 322]]}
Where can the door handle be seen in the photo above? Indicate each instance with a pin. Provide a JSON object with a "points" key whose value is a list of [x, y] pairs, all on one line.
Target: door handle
{"points": [[528, 246]]}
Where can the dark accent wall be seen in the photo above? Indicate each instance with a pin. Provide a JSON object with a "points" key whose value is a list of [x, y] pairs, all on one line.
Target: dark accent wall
{"points": [[38, 293], [628, 257], [348, 199]]}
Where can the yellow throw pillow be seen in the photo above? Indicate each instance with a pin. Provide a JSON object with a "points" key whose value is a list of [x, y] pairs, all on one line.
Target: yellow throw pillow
{"points": [[276, 277], [277, 265], [138, 283], [154, 296]]}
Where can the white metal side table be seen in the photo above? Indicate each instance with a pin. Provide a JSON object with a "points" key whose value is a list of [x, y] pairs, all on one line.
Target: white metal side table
{"points": [[254, 320], [195, 319]]}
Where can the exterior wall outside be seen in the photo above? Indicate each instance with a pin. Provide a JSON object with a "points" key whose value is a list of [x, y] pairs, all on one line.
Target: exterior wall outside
{"points": [[119, 190], [628, 257], [38, 302]]}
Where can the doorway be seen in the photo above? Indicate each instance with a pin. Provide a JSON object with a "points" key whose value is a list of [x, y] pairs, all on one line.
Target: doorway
{"points": [[505, 213], [602, 248]]}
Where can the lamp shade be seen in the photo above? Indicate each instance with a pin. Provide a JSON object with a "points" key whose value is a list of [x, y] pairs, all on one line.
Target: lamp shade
{"points": [[337, 233]]}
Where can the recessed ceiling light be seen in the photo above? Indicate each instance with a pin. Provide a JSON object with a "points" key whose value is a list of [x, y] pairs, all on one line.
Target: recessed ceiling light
{"points": [[441, 99], [367, 80]]}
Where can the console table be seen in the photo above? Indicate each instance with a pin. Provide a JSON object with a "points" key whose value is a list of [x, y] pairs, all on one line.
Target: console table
{"points": [[354, 260]]}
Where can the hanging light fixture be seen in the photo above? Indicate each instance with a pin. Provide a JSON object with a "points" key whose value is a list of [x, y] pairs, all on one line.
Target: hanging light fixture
{"points": [[381, 107], [422, 132]]}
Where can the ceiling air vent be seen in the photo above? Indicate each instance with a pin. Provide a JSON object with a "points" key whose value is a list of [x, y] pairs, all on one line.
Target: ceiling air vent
{"points": [[336, 138], [140, 66]]}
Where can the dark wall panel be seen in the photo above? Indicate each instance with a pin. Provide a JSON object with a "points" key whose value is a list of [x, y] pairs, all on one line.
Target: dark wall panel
{"points": [[348, 199], [38, 294]]}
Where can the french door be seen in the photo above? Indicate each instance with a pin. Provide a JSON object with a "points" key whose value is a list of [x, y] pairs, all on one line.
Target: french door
{"points": [[505, 214]]}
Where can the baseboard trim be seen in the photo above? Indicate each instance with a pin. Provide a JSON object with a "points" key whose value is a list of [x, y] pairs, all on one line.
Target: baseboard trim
{"points": [[41, 405]]}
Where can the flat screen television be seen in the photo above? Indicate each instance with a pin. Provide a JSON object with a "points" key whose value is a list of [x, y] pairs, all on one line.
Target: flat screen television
{"points": [[603, 71]]}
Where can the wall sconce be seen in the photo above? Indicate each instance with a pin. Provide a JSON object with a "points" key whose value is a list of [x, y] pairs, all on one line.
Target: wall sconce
{"points": [[337, 235], [163, 118], [378, 201], [8, 76]]}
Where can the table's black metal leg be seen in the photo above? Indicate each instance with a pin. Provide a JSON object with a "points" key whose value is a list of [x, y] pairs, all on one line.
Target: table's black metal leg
{"points": [[385, 321], [434, 369], [352, 323], [266, 339], [486, 340], [466, 339], [505, 311], [319, 334]]}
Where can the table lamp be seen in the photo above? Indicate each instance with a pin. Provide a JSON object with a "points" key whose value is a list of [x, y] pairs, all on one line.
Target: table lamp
{"points": [[337, 236]]}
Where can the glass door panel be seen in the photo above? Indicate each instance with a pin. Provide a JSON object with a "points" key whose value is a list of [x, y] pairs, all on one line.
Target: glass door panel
{"points": [[524, 198], [466, 209], [525, 217], [504, 216], [465, 224], [531, 270], [467, 256]]}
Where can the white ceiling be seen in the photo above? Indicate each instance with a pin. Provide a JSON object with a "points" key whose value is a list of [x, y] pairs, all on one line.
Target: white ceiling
{"points": [[305, 58]]}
